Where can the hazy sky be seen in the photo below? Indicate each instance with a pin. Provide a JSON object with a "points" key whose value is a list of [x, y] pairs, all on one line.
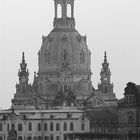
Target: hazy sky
{"points": [[110, 25]]}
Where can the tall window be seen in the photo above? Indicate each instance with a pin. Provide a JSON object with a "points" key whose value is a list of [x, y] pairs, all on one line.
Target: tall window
{"points": [[51, 126], [71, 126], [39, 126], [82, 126], [13, 126], [51, 137], [30, 126], [130, 119], [59, 11], [8, 127], [19, 127], [69, 10], [65, 126], [20, 138], [45, 127], [57, 127], [1, 127]]}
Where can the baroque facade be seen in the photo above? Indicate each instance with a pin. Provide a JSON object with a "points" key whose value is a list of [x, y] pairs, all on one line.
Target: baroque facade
{"points": [[61, 103]]}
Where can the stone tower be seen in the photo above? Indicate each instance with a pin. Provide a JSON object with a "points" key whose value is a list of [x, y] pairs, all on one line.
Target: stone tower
{"points": [[64, 74], [24, 90], [105, 86]]}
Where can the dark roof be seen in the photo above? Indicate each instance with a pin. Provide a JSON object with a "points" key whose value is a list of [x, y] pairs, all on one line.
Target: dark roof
{"points": [[123, 103], [102, 115]]}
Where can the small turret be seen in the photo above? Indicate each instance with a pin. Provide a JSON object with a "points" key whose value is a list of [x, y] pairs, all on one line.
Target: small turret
{"points": [[105, 86]]}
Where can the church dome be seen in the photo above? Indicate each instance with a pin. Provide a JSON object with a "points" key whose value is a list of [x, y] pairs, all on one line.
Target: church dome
{"points": [[64, 58], [64, 47]]}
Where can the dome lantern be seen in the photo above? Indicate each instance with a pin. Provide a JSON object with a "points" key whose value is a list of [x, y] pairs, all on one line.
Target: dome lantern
{"points": [[64, 14]]}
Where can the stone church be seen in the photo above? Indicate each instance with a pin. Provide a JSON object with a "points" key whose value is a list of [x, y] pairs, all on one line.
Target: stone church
{"points": [[61, 103], [64, 75]]}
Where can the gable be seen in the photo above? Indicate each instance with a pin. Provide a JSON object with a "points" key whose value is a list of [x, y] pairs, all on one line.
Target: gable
{"points": [[96, 100], [35, 100], [13, 116]]}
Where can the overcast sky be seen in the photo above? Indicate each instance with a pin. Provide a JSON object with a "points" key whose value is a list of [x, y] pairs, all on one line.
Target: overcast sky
{"points": [[110, 25]]}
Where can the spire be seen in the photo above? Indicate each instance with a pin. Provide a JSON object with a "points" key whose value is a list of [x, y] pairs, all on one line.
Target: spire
{"points": [[105, 86], [23, 65], [105, 71], [105, 64], [23, 58], [105, 57], [23, 72]]}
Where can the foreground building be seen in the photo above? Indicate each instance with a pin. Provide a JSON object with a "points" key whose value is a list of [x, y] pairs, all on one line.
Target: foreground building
{"points": [[41, 124], [61, 103]]}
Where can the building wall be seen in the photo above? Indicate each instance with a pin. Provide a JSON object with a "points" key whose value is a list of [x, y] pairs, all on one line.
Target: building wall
{"points": [[41, 118]]}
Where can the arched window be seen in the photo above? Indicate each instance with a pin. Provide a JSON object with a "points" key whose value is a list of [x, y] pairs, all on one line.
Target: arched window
{"points": [[59, 11], [65, 55], [39, 127], [69, 14], [57, 127], [47, 57], [65, 126], [45, 127], [51, 126], [82, 57], [71, 126], [130, 119]]}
